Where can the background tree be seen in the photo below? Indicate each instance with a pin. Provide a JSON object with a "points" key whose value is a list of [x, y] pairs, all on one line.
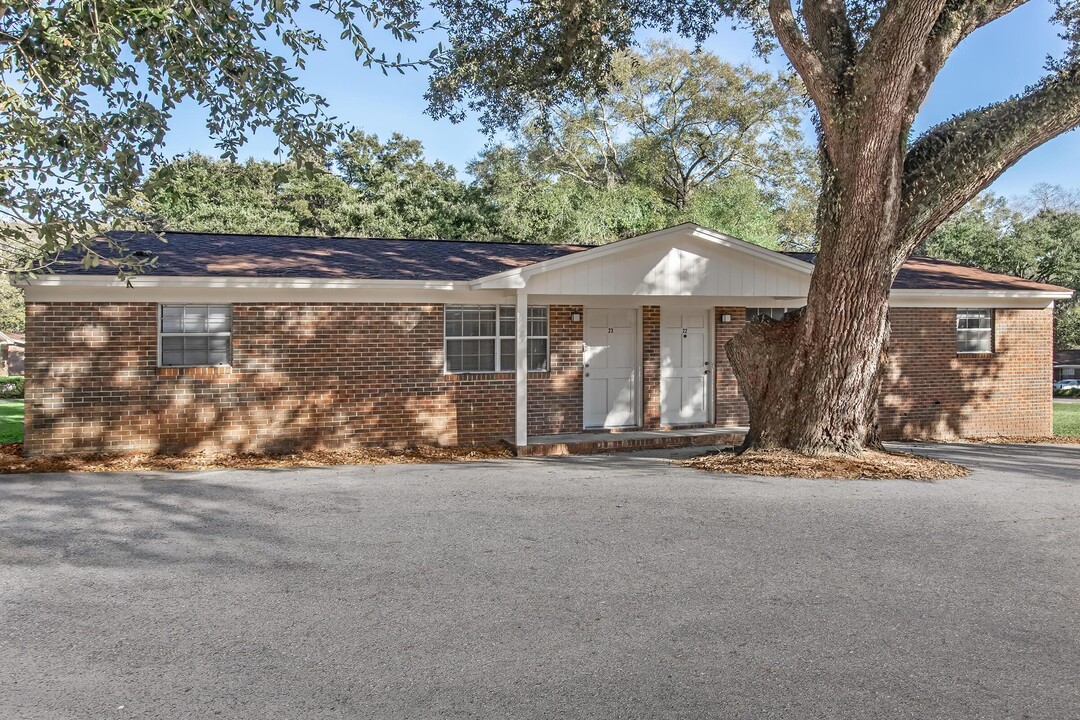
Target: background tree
{"points": [[1036, 237], [812, 380], [674, 121], [87, 92], [12, 307], [364, 187], [403, 195]]}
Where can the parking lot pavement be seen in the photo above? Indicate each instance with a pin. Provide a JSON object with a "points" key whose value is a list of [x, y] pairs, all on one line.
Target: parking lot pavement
{"points": [[590, 587]]}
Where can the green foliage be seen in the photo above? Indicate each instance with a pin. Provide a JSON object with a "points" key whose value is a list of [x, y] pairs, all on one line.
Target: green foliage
{"points": [[88, 90], [506, 60], [677, 121], [379, 189], [12, 307], [1067, 325], [12, 386], [1044, 246], [736, 207], [400, 194]]}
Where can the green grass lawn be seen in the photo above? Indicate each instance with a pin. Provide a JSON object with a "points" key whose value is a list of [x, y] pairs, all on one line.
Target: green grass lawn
{"points": [[11, 417], [1067, 419]]}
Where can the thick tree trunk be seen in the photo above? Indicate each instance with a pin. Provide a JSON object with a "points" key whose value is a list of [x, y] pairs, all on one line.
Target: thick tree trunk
{"points": [[811, 380]]}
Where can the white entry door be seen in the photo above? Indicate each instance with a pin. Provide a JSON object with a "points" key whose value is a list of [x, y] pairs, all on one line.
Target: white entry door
{"points": [[684, 366], [610, 359]]}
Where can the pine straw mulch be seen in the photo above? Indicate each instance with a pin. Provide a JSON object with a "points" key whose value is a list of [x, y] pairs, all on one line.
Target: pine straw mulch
{"points": [[1037, 440], [12, 460], [871, 465]]}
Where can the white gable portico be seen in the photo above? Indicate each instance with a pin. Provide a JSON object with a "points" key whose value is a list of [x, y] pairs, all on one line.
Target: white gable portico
{"points": [[649, 351], [682, 261]]}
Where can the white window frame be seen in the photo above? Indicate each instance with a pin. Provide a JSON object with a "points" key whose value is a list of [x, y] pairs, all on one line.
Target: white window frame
{"points": [[161, 335], [990, 331], [498, 338]]}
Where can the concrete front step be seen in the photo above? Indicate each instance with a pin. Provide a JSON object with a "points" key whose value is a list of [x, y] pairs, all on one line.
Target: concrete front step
{"points": [[587, 443]]}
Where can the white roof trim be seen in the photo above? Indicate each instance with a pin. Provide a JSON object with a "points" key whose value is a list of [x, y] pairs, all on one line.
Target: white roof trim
{"points": [[517, 277], [210, 281], [969, 293]]}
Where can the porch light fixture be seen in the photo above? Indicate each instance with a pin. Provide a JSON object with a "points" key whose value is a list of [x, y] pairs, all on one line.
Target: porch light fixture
{"points": [[575, 317], [725, 318]]}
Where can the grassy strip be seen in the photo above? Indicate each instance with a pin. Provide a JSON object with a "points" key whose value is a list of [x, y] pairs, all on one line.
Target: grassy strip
{"points": [[11, 421], [1067, 419]]}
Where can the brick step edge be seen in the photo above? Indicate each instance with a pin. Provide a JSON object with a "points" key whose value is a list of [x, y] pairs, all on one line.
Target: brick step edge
{"points": [[615, 444]]}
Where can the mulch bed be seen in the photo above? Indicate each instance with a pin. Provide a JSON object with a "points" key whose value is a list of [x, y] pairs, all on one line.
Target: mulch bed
{"points": [[12, 460], [1056, 440], [868, 466]]}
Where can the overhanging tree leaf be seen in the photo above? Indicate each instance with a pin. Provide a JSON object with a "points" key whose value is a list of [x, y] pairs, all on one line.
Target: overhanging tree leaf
{"points": [[88, 91]]}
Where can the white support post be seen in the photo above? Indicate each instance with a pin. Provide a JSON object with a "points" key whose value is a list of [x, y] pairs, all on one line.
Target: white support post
{"points": [[521, 369]]}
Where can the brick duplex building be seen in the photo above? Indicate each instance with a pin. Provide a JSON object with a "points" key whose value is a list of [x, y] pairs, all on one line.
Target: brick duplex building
{"points": [[256, 343]]}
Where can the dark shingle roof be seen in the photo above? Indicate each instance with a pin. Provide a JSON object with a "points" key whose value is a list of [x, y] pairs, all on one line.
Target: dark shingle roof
{"points": [[292, 256], [925, 273], [1067, 357], [220, 254]]}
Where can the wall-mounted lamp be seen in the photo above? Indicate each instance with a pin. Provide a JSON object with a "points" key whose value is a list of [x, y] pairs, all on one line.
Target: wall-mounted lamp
{"points": [[725, 318], [575, 317]]}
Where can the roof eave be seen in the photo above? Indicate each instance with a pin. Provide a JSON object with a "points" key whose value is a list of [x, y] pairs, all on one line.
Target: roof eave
{"points": [[238, 282], [984, 292]]}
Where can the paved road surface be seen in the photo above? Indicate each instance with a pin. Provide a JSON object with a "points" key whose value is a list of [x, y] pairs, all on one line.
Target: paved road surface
{"points": [[596, 587]]}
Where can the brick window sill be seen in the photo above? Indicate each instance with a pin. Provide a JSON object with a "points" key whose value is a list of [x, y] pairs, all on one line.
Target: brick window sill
{"points": [[206, 372], [459, 377], [975, 356]]}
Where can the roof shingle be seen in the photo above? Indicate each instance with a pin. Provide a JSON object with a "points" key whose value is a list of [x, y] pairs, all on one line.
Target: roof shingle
{"points": [[291, 256]]}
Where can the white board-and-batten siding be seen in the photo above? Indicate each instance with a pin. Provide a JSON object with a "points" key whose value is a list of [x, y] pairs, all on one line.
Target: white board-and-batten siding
{"points": [[683, 267]]}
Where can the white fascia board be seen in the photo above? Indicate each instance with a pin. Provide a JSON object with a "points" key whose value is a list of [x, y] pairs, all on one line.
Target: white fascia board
{"points": [[518, 277], [241, 283], [758, 251], [908, 293]]}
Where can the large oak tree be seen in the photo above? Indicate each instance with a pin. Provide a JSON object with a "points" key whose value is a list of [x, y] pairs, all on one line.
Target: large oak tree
{"points": [[812, 380]]}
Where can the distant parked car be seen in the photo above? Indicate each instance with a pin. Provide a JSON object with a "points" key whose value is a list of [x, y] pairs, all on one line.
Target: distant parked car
{"points": [[1067, 384]]}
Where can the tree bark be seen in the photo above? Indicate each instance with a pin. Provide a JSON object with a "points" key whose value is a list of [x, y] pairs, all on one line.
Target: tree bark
{"points": [[811, 380]]}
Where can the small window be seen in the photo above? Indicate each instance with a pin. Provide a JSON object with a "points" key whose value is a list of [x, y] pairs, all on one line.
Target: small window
{"points": [[974, 331], [195, 335], [774, 313], [481, 338]]}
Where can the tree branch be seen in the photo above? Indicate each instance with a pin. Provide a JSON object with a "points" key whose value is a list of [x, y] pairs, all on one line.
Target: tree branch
{"points": [[959, 19], [830, 34], [956, 160], [815, 75]]}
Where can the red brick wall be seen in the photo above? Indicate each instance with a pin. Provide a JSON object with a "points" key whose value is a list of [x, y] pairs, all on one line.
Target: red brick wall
{"points": [[307, 375], [650, 361], [303, 375], [931, 391], [730, 406], [555, 396]]}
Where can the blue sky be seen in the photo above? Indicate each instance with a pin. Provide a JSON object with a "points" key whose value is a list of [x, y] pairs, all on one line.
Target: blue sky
{"points": [[994, 63]]}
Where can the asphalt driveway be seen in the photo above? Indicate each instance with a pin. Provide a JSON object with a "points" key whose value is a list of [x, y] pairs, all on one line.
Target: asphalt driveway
{"points": [[598, 587]]}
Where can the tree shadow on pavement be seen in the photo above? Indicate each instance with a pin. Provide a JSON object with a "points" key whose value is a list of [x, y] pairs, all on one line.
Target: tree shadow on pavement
{"points": [[86, 520]]}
